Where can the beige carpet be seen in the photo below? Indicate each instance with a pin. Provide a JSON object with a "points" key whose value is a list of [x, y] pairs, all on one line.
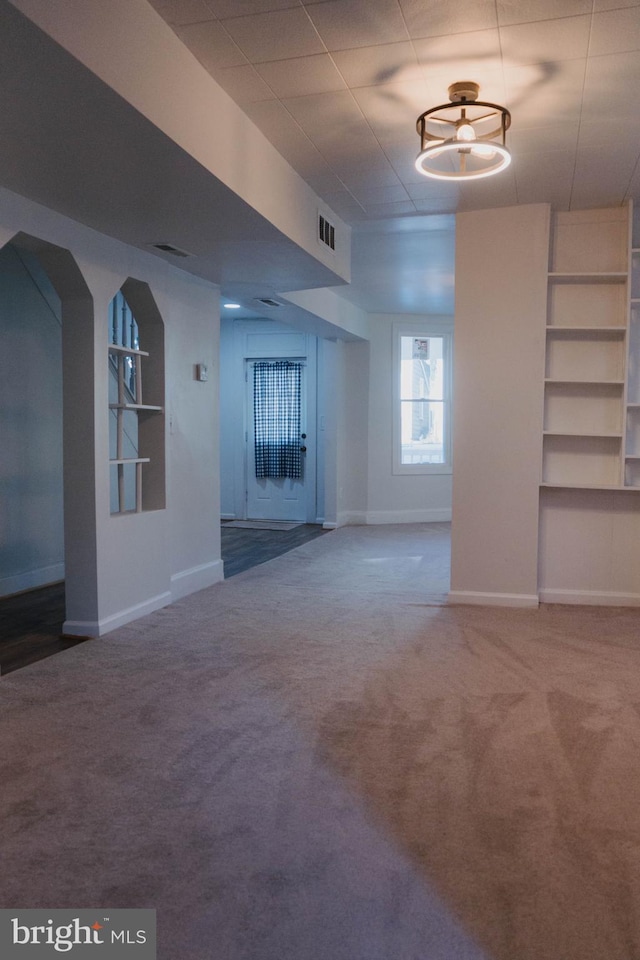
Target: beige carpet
{"points": [[318, 760]]}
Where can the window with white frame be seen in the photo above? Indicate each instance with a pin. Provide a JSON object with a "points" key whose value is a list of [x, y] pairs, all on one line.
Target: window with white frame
{"points": [[422, 388]]}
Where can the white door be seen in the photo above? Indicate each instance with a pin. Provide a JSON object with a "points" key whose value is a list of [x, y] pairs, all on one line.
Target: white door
{"points": [[277, 497]]}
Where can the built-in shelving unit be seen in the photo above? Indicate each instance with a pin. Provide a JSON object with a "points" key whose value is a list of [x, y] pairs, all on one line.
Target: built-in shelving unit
{"points": [[129, 361], [589, 519], [587, 345]]}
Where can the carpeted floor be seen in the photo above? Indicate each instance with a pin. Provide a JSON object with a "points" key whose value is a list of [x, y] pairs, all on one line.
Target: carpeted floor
{"points": [[319, 760]]}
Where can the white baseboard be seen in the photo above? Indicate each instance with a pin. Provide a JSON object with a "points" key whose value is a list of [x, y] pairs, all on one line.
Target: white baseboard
{"points": [[493, 599], [329, 525], [32, 579], [98, 628], [351, 518], [196, 578], [433, 515], [228, 516], [590, 598]]}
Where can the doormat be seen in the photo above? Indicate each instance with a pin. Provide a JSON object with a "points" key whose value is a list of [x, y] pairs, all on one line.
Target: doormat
{"points": [[260, 524]]}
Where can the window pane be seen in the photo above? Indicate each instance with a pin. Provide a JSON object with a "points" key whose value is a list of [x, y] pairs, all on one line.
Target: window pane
{"points": [[422, 369], [422, 431]]}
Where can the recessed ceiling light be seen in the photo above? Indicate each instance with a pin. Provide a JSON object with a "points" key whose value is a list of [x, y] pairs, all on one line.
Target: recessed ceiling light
{"points": [[231, 306]]}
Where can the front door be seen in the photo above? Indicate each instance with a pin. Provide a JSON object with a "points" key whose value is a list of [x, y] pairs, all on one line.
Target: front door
{"points": [[277, 486]]}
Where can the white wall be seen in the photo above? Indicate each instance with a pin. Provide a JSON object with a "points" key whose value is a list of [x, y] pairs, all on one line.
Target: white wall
{"points": [[128, 565], [395, 498], [31, 514], [501, 299], [240, 340]]}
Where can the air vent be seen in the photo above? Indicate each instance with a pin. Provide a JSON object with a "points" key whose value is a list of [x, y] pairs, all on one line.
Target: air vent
{"points": [[268, 302], [326, 232], [169, 248]]}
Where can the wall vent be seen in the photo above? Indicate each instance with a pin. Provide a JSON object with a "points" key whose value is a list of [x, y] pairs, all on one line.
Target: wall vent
{"points": [[169, 248], [326, 232], [268, 302]]}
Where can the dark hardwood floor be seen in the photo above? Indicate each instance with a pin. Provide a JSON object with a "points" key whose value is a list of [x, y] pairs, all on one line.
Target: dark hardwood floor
{"points": [[31, 622], [31, 627], [242, 549]]}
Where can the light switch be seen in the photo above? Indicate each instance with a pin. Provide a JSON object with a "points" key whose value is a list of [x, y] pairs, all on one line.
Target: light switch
{"points": [[202, 372]]}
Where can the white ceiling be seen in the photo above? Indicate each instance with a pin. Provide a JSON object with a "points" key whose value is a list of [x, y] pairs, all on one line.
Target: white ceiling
{"points": [[337, 85]]}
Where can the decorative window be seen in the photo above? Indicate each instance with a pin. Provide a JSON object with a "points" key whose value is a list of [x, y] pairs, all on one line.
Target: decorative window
{"points": [[136, 426], [422, 414]]}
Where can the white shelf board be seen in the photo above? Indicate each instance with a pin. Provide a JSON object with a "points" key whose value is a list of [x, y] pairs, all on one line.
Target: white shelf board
{"points": [[586, 486], [609, 331], [614, 277], [590, 383], [126, 351], [588, 436], [132, 406], [125, 460]]}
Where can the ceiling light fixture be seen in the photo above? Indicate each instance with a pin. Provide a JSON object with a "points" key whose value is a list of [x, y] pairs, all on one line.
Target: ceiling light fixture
{"points": [[464, 139], [231, 306]]}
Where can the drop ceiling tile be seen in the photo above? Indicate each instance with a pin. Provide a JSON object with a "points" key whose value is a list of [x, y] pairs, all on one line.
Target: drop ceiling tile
{"points": [[429, 189], [391, 108], [527, 11], [390, 209], [609, 130], [211, 45], [383, 63], [606, 78], [334, 122], [389, 194], [435, 18], [180, 12], [244, 84], [277, 124], [375, 176], [616, 31], [523, 141], [600, 182], [302, 76], [545, 41], [224, 9], [460, 55], [344, 24], [542, 95], [444, 204], [275, 36]]}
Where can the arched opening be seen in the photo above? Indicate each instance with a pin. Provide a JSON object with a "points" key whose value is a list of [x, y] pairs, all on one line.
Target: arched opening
{"points": [[47, 518]]}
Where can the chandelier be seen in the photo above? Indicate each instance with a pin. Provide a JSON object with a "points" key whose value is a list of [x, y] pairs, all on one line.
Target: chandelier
{"points": [[464, 139]]}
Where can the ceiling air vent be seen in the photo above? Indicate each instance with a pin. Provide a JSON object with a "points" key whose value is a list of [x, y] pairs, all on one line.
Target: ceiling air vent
{"points": [[268, 302], [169, 248], [326, 232]]}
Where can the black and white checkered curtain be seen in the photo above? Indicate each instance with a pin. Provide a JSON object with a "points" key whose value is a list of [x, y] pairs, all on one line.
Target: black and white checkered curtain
{"points": [[277, 394]]}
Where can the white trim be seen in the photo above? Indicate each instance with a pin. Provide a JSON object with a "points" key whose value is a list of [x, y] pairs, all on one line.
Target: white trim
{"points": [[590, 598], [432, 515], [98, 628], [493, 599], [351, 518], [228, 516], [196, 578], [32, 579], [329, 525]]}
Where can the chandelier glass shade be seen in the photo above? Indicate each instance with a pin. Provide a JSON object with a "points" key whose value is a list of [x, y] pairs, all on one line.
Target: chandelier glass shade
{"points": [[464, 139]]}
